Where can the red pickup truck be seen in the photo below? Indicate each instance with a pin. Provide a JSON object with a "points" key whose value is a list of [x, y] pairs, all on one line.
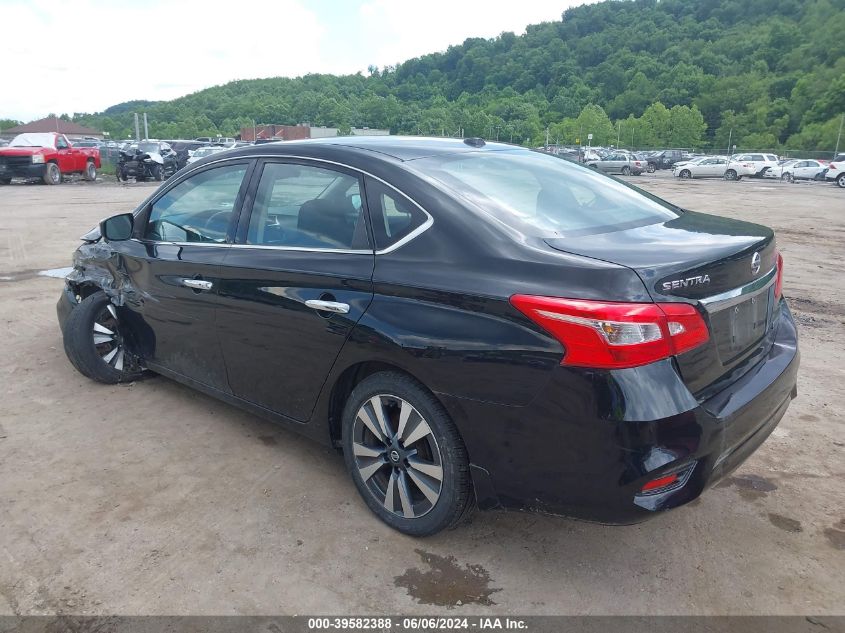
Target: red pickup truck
{"points": [[47, 156]]}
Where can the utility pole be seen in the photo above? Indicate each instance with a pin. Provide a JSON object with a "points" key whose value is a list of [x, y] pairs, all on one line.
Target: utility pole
{"points": [[547, 137], [146, 129], [839, 137], [730, 135], [632, 138], [137, 131], [618, 132]]}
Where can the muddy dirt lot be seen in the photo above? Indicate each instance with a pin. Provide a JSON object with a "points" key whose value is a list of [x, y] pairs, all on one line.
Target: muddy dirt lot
{"points": [[151, 498]]}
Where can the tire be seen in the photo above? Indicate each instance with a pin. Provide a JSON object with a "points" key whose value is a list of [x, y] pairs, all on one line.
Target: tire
{"points": [[398, 479], [158, 173], [626, 171], [731, 175], [650, 168], [90, 173], [789, 177], [840, 180], [52, 174], [94, 344], [685, 174]]}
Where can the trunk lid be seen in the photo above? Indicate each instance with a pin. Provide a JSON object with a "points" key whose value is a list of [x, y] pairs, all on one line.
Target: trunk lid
{"points": [[722, 265]]}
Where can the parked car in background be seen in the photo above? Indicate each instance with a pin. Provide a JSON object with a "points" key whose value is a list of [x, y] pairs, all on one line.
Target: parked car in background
{"points": [[801, 170], [3, 142], [159, 152], [706, 167], [836, 171], [184, 150], [47, 156], [618, 163], [601, 353], [739, 169], [666, 158], [644, 158], [84, 142], [777, 170], [687, 161], [204, 152], [761, 163]]}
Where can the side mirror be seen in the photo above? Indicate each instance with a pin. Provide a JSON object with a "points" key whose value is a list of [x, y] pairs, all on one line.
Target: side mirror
{"points": [[117, 228]]}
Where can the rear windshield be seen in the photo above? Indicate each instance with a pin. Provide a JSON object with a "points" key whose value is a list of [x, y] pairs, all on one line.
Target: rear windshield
{"points": [[543, 195]]}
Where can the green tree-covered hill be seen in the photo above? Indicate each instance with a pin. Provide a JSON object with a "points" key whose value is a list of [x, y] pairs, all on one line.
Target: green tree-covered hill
{"points": [[683, 73]]}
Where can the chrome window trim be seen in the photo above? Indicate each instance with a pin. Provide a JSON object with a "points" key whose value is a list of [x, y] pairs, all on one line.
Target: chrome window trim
{"points": [[422, 228], [733, 297]]}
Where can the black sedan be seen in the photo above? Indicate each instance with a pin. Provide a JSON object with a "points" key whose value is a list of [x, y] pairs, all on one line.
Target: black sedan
{"points": [[472, 324]]}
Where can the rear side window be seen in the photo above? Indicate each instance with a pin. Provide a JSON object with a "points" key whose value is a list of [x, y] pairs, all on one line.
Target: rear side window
{"points": [[393, 216], [302, 206], [542, 195]]}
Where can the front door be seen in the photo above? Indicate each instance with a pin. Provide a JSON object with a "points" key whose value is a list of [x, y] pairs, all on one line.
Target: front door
{"points": [[173, 265], [65, 155], [295, 283]]}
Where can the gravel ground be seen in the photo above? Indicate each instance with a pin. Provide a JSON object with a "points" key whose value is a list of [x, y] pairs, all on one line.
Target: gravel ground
{"points": [[151, 498]]}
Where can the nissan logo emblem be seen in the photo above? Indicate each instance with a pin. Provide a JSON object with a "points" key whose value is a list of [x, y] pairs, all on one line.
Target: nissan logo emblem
{"points": [[755, 263]]}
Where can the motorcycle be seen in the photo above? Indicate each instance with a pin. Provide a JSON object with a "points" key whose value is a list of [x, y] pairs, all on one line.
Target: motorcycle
{"points": [[141, 166]]}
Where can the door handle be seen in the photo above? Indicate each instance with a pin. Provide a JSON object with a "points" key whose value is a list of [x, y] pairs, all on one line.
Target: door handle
{"points": [[197, 284], [328, 306]]}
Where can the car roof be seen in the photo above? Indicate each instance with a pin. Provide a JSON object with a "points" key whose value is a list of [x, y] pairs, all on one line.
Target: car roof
{"points": [[399, 147]]}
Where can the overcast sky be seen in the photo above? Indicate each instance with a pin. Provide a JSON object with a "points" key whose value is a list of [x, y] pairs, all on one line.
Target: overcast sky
{"points": [[86, 55]]}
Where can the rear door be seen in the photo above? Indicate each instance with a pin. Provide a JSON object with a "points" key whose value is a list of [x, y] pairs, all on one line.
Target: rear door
{"points": [[808, 169], [295, 284]]}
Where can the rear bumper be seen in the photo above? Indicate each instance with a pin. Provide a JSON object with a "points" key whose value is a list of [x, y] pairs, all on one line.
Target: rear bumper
{"points": [[21, 171], [587, 445]]}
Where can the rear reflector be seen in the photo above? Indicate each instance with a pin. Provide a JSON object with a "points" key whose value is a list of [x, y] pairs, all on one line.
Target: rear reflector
{"points": [[779, 278], [660, 482], [615, 335]]}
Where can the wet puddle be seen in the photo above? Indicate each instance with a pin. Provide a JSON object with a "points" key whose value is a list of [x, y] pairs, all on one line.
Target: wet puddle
{"points": [[751, 487], [445, 583]]}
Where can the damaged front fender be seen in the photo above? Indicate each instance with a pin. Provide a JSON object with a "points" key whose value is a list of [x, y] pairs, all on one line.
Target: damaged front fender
{"points": [[98, 265]]}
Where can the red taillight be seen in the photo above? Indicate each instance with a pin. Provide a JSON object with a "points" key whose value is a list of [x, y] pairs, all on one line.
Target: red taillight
{"points": [[615, 335], [779, 278], [833, 166]]}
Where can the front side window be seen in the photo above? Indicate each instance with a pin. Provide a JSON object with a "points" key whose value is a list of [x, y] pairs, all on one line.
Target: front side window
{"points": [[542, 195], [198, 209], [302, 206], [61, 143]]}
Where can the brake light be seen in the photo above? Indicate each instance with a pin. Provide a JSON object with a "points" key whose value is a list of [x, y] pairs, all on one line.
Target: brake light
{"points": [[832, 166], [779, 278], [615, 335]]}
